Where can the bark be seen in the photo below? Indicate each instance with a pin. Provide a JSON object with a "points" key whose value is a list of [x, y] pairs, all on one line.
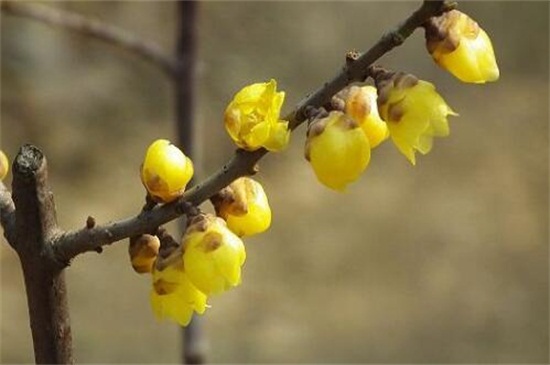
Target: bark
{"points": [[35, 227]]}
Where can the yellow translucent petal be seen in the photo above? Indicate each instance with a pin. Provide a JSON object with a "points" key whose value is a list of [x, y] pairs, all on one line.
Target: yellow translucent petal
{"points": [[473, 61], [181, 299], [257, 216], [373, 126], [257, 136], [422, 114], [425, 143], [339, 154], [165, 171], [251, 117], [250, 94], [279, 137], [213, 258]]}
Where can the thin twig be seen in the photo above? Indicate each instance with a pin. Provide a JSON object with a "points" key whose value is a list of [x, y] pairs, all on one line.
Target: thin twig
{"points": [[93, 28], [242, 163]]}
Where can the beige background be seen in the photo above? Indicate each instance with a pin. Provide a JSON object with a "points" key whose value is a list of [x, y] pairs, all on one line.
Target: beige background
{"points": [[443, 262]]}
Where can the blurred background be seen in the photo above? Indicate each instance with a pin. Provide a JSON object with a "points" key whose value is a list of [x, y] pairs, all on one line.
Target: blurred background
{"points": [[443, 262]]}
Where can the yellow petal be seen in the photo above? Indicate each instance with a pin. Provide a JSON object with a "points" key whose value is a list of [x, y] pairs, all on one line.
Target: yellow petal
{"points": [[174, 297], [251, 118], [165, 171], [245, 207], [213, 256], [338, 150]]}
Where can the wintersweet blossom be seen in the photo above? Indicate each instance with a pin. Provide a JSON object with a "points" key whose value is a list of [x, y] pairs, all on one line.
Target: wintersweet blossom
{"points": [[458, 44], [252, 118]]}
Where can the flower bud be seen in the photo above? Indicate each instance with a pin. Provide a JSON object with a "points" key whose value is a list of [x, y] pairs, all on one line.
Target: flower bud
{"points": [[244, 206], [337, 149], [213, 255], [359, 102], [173, 296], [252, 118], [165, 171], [459, 45], [413, 111], [143, 252], [4, 165]]}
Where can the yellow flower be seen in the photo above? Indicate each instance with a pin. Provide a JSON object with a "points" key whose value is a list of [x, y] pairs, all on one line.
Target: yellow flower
{"points": [[165, 171], [213, 254], [413, 110], [459, 45], [244, 206], [359, 102], [252, 118], [143, 252], [337, 149], [4, 165], [173, 296]]}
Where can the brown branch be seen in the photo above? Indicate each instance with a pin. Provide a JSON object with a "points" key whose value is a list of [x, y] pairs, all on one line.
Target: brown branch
{"points": [[243, 163], [7, 214], [35, 226], [93, 28], [357, 70]]}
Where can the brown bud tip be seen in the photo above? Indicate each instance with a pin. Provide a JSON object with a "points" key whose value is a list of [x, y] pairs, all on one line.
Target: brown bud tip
{"points": [[90, 222]]}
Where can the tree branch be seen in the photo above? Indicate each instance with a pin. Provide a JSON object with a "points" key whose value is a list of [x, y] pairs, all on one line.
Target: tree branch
{"points": [[35, 226], [149, 51], [243, 162]]}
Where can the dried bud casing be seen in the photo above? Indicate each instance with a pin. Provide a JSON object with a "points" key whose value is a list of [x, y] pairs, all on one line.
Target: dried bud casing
{"points": [[143, 252]]}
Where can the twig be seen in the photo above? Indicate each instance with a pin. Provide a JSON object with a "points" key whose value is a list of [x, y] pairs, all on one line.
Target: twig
{"points": [[94, 28], [242, 163]]}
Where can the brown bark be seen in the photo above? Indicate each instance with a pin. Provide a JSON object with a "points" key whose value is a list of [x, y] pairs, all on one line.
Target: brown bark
{"points": [[35, 227]]}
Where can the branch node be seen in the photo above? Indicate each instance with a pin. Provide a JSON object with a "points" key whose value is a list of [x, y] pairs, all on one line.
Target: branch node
{"points": [[352, 56], [90, 222], [149, 203]]}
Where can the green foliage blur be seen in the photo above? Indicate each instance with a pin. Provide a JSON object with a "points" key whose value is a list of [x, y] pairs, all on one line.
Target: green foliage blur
{"points": [[444, 262]]}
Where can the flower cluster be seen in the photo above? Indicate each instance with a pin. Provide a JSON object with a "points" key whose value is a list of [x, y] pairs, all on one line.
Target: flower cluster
{"points": [[209, 258], [402, 107], [339, 144]]}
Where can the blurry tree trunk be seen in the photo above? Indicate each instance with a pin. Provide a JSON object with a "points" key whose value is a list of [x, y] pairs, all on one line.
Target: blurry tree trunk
{"points": [[192, 341]]}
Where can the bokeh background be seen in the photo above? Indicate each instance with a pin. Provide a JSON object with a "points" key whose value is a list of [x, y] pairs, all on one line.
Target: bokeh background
{"points": [[443, 262]]}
